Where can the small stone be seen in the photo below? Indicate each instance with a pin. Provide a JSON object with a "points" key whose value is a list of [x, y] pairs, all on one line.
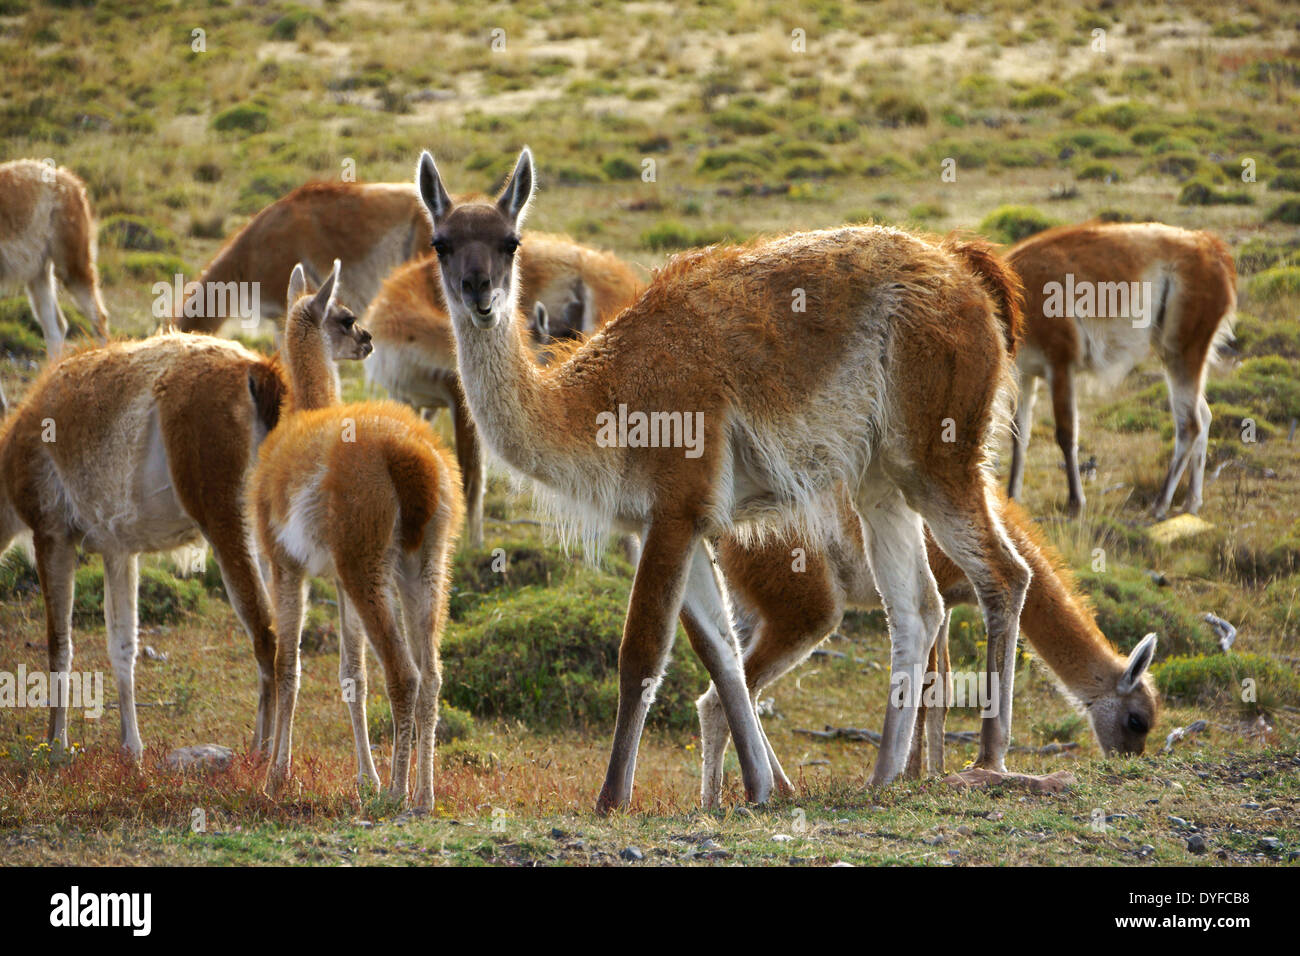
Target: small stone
{"points": [[1196, 844], [1271, 844], [1250, 806], [557, 833], [933, 840], [1177, 821], [210, 756], [781, 838], [631, 853], [1145, 850], [965, 830], [840, 863]]}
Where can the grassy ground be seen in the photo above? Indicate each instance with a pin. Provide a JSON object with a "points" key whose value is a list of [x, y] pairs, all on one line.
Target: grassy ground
{"points": [[746, 135]]}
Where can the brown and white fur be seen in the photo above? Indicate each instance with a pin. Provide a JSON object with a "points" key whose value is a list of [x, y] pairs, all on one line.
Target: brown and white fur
{"points": [[899, 339], [1192, 283], [572, 290], [373, 227], [47, 233], [785, 613], [364, 493]]}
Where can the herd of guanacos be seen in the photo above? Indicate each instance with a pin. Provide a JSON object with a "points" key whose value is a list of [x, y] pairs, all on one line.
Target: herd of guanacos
{"points": [[850, 382]]}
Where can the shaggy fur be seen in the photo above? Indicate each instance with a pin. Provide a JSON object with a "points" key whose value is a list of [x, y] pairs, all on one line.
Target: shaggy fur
{"points": [[364, 493], [47, 232], [859, 355], [135, 447], [579, 289]]}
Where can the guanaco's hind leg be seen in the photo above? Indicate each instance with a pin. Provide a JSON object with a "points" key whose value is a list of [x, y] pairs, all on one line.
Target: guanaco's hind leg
{"points": [[1066, 414], [56, 566], [1191, 438], [41, 293], [1024, 424], [967, 528], [121, 583], [373, 604], [708, 625], [287, 586], [354, 686], [936, 692], [896, 551]]}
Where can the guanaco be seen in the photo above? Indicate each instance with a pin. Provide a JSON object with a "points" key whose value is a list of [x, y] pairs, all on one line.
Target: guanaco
{"points": [[789, 595], [799, 362], [1099, 297], [47, 233], [364, 493], [373, 227]]}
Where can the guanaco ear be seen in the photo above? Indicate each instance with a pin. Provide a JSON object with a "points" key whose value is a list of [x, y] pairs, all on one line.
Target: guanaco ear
{"points": [[1138, 662], [326, 294], [541, 321], [297, 285], [514, 199], [429, 182]]}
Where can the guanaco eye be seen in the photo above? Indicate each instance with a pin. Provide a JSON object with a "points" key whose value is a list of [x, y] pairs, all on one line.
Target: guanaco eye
{"points": [[1137, 724], [349, 322], [442, 247], [510, 245]]}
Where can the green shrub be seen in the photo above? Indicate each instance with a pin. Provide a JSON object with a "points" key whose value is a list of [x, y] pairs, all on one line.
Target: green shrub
{"points": [[745, 122], [1274, 284], [727, 161], [1010, 224], [1105, 172], [1268, 384], [900, 109], [1285, 182], [19, 331], [1129, 605], [1255, 337], [1287, 212], [549, 657], [1219, 679], [163, 598], [1149, 134], [670, 235], [1123, 116], [1039, 97], [1288, 158], [137, 233], [245, 118], [1199, 192], [1259, 254], [153, 266], [620, 167]]}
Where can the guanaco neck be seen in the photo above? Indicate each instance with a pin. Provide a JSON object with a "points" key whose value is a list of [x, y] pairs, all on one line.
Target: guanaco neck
{"points": [[523, 417], [313, 378], [1064, 634]]}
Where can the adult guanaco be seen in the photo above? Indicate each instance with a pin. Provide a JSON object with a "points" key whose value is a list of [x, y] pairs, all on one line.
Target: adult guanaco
{"points": [[859, 355], [1099, 297]]}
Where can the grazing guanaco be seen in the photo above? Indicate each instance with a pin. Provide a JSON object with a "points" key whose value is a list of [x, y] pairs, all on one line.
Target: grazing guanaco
{"points": [[573, 290], [47, 233], [802, 361], [373, 227], [789, 606], [367, 494], [1098, 298]]}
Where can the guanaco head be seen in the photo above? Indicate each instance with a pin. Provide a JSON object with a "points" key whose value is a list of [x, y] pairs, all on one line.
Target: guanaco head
{"points": [[1122, 720], [322, 314], [476, 242]]}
